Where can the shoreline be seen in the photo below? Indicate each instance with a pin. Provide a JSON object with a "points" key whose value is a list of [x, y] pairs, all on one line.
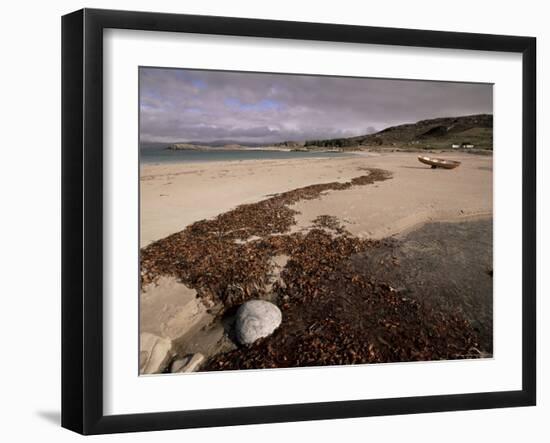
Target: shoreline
{"points": [[180, 158], [175, 195], [246, 162]]}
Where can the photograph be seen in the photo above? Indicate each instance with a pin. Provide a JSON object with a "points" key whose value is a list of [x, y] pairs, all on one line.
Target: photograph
{"points": [[269, 220], [291, 220]]}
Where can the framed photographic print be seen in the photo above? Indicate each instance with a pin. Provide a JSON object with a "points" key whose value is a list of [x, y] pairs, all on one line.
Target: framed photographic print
{"points": [[269, 221]]}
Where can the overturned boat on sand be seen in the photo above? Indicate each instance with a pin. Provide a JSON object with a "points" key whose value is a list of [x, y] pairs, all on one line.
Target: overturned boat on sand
{"points": [[438, 162]]}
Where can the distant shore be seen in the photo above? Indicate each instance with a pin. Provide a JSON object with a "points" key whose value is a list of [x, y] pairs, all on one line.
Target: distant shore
{"points": [[158, 156]]}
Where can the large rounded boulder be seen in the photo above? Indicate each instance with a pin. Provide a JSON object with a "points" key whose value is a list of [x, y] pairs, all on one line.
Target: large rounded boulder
{"points": [[256, 319]]}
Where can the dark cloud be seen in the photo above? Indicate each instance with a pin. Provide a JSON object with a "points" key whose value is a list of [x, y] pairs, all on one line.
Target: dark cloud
{"points": [[185, 105]]}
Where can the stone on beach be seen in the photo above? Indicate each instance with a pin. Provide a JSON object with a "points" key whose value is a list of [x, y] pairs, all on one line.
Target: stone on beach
{"points": [[256, 319], [154, 353], [189, 363]]}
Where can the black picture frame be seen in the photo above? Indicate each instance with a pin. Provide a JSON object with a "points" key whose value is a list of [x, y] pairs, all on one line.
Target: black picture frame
{"points": [[82, 219]]}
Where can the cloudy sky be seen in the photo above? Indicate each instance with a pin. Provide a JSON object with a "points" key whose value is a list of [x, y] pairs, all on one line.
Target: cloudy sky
{"points": [[191, 105]]}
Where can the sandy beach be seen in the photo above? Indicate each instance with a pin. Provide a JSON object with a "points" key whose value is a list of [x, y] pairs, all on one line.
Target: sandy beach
{"points": [[175, 195], [318, 238]]}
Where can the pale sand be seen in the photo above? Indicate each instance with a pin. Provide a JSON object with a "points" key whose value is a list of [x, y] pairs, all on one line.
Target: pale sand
{"points": [[176, 195], [170, 309], [415, 195]]}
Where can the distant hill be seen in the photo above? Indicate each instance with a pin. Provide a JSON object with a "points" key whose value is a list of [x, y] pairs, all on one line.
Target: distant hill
{"points": [[437, 133], [221, 143], [216, 145]]}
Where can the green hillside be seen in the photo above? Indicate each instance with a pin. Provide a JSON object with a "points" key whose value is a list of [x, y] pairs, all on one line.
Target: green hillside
{"points": [[438, 133]]}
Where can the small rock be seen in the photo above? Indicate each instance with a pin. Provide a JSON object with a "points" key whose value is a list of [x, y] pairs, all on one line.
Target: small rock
{"points": [[180, 363], [256, 319], [154, 353], [190, 363]]}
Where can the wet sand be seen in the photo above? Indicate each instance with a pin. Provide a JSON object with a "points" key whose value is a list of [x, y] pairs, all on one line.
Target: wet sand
{"points": [[448, 266]]}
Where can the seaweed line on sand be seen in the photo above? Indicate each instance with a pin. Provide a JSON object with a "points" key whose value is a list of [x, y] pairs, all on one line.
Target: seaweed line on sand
{"points": [[207, 255], [332, 314]]}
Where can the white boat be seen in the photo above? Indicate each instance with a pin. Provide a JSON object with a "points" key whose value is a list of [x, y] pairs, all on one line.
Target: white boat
{"points": [[438, 162]]}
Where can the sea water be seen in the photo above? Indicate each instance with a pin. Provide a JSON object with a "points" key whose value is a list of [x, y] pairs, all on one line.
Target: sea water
{"points": [[163, 155]]}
